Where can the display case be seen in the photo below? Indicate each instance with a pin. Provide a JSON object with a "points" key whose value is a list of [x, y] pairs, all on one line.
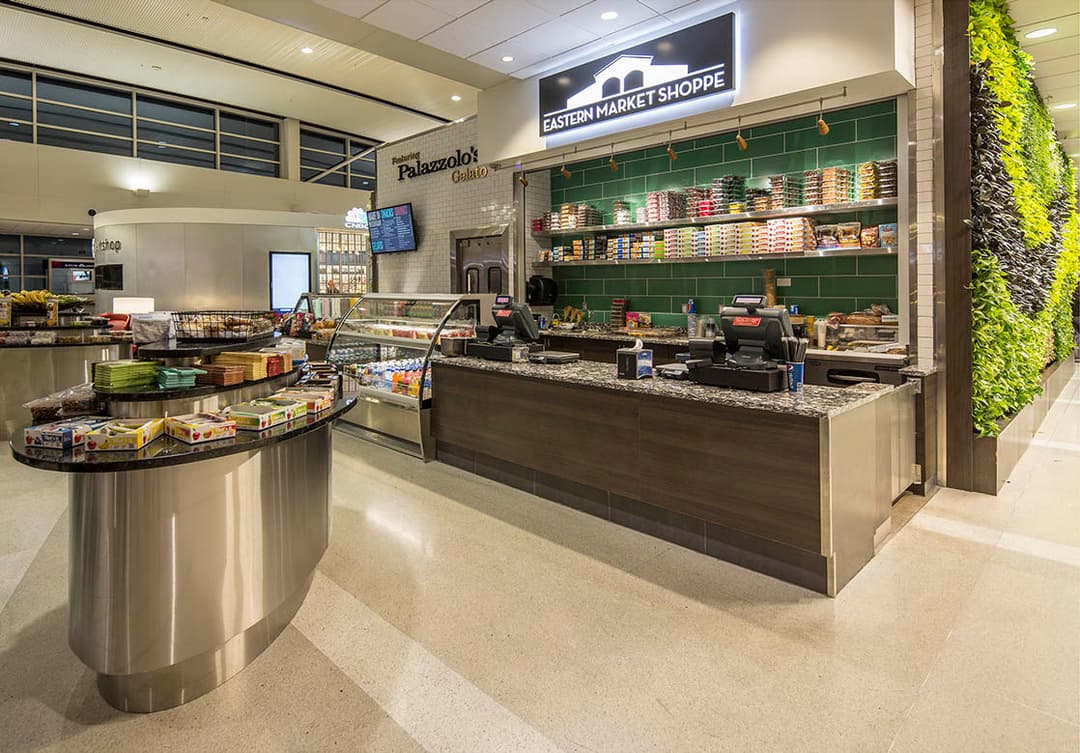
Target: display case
{"points": [[315, 317], [383, 345]]}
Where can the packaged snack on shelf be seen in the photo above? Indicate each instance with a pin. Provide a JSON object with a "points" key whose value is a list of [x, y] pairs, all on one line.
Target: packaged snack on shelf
{"points": [[847, 234], [125, 434], [63, 435], [887, 234], [316, 400], [869, 237], [256, 415], [200, 427], [826, 236]]}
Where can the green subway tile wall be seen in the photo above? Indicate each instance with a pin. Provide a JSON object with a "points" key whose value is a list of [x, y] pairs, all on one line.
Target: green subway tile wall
{"points": [[818, 285]]}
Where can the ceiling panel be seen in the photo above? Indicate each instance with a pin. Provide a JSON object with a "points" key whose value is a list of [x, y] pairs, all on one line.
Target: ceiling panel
{"points": [[487, 26], [454, 8], [630, 13], [408, 18], [1026, 12], [354, 8], [555, 37]]}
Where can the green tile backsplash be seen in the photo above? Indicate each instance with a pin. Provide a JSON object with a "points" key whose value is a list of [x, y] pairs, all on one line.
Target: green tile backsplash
{"points": [[818, 284]]}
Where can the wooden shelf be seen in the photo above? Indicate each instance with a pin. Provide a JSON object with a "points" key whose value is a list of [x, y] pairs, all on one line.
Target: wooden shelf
{"points": [[816, 254], [721, 219]]}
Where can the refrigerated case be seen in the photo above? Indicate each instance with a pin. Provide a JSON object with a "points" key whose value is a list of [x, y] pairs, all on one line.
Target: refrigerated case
{"points": [[344, 261], [314, 319], [383, 345]]}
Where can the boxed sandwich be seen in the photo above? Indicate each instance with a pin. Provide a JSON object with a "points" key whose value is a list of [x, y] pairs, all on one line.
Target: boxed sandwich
{"points": [[125, 434], [63, 435], [200, 427]]}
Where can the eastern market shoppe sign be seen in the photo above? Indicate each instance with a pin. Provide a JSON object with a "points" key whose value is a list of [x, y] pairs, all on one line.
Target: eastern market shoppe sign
{"points": [[696, 62]]}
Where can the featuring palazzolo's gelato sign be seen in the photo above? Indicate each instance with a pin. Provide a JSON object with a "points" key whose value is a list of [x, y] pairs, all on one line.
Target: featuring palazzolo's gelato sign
{"points": [[411, 166], [688, 64]]}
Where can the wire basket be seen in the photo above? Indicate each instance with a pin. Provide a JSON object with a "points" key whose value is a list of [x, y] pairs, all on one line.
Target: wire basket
{"points": [[207, 326]]}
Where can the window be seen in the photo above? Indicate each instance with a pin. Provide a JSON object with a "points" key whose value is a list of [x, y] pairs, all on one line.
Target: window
{"points": [[80, 116], [77, 113], [323, 150], [611, 87], [633, 80], [249, 145]]}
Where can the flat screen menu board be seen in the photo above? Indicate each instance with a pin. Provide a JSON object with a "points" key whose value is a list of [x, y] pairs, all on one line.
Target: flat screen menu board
{"points": [[392, 229]]}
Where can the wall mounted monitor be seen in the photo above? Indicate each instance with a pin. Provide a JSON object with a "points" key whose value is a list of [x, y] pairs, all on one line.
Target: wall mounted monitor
{"points": [[392, 229]]}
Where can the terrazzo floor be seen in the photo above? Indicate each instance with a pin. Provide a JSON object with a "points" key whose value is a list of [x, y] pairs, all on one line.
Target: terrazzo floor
{"points": [[455, 614]]}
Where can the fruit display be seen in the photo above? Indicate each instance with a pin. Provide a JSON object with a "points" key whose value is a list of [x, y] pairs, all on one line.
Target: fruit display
{"points": [[34, 300]]}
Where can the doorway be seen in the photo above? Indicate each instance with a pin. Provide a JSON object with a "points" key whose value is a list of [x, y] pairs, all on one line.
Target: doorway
{"points": [[481, 265]]}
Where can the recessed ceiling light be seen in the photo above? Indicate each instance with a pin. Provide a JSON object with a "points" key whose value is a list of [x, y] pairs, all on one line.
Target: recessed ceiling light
{"points": [[74, 233], [1065, 106], [1040, 33], [455, 98], [508, 58], [608, 15], [306, 50]]}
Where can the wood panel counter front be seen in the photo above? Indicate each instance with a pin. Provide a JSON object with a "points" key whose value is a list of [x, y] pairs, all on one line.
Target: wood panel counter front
{"points": [[797, 486]]}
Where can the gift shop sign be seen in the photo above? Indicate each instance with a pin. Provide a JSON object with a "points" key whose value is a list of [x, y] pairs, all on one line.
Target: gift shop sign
{"points": [[696, 62]]}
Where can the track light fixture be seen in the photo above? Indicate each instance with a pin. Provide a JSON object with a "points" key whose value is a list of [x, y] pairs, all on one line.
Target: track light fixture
{"points": [[523, 181], [822, 126], [671, 153], [739, 140], [563, 171], [611, 161]]}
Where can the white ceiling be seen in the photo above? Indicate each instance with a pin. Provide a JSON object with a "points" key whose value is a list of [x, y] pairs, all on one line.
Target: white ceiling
{"points": [[467, 39], [260, 46], [1057, 60]]}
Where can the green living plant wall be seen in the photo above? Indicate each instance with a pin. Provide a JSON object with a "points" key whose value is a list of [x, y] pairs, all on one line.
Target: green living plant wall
{"points": [[1025, 229]]}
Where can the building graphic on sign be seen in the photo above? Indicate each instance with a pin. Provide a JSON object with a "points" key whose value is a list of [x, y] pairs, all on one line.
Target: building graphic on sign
{"points": [[623, 74]]}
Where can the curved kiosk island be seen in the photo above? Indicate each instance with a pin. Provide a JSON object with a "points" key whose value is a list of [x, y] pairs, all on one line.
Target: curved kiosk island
{"points": [[187, 560]]}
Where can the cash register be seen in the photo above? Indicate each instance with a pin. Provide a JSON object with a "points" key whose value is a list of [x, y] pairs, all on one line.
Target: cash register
{"points": [[747, 356], [514, 328]]}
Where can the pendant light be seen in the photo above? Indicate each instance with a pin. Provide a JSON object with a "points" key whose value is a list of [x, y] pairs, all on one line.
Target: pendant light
{"points": [[822, 126], [611, 161], [671, 153], [739, 140]]}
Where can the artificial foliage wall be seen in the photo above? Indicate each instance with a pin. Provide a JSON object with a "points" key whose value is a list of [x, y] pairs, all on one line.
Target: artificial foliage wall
{"points": [[1024, 226]]}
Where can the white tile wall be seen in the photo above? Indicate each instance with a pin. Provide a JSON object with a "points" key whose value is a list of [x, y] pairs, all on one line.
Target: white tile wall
{"points": [[923, 212], [440, 207]]}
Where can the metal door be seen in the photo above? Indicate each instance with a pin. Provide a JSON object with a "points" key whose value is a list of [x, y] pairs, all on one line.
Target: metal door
{"points": [[481, 265]]}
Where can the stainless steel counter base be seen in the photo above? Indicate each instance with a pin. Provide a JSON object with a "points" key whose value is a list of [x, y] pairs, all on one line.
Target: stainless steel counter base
{"points": [[182, 575], [36, 371]]}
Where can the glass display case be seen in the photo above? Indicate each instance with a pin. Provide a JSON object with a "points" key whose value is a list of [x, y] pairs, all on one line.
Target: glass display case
{"points": [[315, 317], [383, 346]]}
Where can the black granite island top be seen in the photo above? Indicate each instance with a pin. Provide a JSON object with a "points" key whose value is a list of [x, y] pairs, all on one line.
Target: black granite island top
{"points": [[198, 349], [609, 335], [815, 401], [166, 451]]}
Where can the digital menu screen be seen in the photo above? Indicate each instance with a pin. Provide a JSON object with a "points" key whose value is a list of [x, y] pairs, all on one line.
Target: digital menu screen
{"points": [[392, 229]]}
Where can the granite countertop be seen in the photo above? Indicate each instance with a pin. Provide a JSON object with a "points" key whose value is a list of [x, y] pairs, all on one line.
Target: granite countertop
{"points": [[918, 371], [815, 401], [166, 451], [40, 346], [600, 334], [193, 349]]}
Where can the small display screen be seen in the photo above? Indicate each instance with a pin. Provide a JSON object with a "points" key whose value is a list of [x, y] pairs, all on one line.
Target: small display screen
{"points": [[392, 229], [80, 275], [502, 300], [753, 300]]}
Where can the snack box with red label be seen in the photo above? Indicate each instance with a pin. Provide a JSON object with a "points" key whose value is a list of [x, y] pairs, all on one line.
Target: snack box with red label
{"points": [[63, 435], [265, 413], [317, 400], [294, 408], [125, 434], [200, 427]]}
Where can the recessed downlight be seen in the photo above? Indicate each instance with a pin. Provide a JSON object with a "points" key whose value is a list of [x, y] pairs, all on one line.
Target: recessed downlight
{"points": [[1040, 33], [455, 98], [508, 58], [306, 50], [608, 15], [1065, 106]]}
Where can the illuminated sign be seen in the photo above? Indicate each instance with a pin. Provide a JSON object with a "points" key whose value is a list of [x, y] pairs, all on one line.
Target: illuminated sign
{"points": [[356, 218], [680, 67]]}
